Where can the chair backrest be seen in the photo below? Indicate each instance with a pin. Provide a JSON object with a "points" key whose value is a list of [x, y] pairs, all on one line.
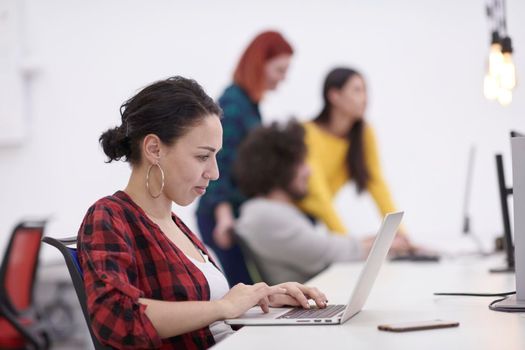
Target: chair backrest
{"points": [[253, 266], [19, 265], [75, 271]]}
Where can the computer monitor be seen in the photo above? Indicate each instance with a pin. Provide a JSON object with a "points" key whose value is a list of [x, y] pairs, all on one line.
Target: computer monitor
{"points": [[517, 302], [504, 193]]}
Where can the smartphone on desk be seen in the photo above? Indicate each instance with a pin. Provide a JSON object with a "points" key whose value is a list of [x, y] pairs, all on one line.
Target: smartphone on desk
{"points": [[417, 326]]}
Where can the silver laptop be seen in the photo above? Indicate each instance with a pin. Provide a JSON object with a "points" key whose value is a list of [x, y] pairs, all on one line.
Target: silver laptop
{"points": [[333, 314]]}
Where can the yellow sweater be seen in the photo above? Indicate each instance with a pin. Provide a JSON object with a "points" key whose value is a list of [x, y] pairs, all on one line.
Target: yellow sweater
{"points": [[327, 159]]}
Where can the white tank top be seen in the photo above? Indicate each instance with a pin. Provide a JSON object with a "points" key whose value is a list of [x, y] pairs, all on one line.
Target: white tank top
{"points": [[218, 288]]}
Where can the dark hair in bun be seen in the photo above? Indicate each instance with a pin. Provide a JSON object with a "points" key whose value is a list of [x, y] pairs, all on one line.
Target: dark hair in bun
{"points": [[167, 108]]}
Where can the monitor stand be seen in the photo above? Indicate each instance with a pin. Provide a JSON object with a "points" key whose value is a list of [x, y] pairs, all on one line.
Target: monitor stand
{"points": [[511, 304], [517, 302], [502, 269], [504, 193], [466, 203]]}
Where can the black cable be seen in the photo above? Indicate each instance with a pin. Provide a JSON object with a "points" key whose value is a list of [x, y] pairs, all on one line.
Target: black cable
{"points": [[492, 304], [504, 308], [478, 294]]}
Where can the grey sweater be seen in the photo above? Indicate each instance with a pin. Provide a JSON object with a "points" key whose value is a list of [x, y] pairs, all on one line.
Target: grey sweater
{"points": [[286, 245]]}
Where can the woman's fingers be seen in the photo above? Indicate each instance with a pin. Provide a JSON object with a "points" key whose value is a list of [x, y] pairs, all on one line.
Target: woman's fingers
{"points": [[263, 292], [318, 296], [295, 292], [314, 294], [266, 290], [290, 293], [264, 303], [302, 293], [278, 300]]}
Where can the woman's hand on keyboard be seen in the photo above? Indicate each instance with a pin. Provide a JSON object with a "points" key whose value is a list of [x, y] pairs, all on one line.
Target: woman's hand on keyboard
{"points": [[297, 295], [243, 297]]}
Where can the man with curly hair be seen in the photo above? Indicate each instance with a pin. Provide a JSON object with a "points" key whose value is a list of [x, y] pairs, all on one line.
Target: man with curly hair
{"points": [[271, 170]]}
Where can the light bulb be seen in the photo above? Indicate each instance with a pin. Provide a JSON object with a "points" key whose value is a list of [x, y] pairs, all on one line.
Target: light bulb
{"points": [[504, 97], [490, 87], [495, 59], [507, 72]]}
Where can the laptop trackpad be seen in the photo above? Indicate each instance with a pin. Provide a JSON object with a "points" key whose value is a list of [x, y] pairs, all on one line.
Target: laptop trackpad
{"points": [[256, 312]]}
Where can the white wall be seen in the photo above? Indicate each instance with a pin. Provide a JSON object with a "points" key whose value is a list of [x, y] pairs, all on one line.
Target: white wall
{"points": [[424, 62], [11, 84]]}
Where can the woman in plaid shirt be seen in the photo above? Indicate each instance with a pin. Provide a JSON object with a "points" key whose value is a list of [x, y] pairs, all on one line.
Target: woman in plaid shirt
{"points": [[150, 282]]}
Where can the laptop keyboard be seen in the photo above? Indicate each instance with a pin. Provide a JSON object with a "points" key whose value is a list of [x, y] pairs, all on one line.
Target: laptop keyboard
{"points": [[327, 312]]}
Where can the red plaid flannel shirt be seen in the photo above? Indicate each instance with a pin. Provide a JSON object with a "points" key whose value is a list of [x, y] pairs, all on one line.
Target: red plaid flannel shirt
{"points": [[125, 256]]}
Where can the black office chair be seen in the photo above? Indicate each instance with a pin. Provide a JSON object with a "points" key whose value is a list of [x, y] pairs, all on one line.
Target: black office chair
{"points": [[75, 271], [254, 268], [21, 326]]}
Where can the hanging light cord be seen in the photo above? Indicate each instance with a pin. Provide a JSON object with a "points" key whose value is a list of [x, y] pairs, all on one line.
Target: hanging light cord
{"points": [[503, 18]]}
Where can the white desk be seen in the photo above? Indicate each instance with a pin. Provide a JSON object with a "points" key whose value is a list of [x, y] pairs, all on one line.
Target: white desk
{"points": [[402, 293]]}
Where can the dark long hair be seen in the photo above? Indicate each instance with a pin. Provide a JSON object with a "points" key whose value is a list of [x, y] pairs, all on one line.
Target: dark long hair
{"points": [[355, 158], [167, 108]]}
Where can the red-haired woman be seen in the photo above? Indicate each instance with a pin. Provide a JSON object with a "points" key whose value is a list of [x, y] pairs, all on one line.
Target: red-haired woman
{"points": [[261, 67]]}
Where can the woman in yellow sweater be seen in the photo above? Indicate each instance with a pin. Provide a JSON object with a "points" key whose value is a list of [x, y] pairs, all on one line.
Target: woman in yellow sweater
{"points": [[341, 147]]}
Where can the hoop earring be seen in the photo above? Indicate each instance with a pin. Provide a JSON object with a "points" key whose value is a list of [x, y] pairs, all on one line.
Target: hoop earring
{"points": [[162, 180]]}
